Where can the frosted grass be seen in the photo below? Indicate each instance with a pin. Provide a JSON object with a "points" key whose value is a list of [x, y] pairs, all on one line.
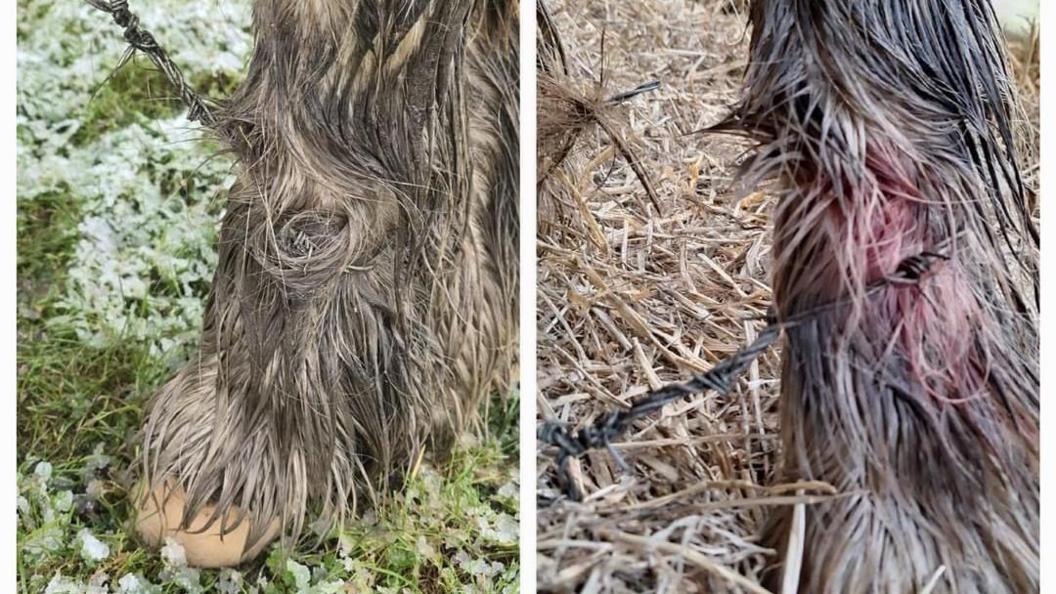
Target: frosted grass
{"points": [[150, 192]]}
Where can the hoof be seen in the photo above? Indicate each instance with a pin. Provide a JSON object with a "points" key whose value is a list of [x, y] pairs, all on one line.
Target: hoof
{"points": [[204, 548]]}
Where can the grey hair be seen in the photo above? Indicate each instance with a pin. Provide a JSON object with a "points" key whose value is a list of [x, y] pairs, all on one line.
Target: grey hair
{"points": [[886, 129], [366, 294]]}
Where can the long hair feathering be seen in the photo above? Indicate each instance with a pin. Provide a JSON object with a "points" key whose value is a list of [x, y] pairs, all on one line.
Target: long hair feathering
{"points": [[888, 128], [365, 298]]}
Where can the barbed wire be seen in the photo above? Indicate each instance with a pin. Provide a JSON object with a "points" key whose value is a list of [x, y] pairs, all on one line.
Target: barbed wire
{"points": [[140, 39], [719, 379]]}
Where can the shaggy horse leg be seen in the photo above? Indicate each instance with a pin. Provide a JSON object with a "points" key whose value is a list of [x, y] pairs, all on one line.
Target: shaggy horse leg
{"points": [[162, 511], [887, 127], [365, 296]]}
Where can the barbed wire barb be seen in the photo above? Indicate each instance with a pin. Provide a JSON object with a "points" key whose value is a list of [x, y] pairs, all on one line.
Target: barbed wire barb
{"points": [[141, 40], [570, 443]]}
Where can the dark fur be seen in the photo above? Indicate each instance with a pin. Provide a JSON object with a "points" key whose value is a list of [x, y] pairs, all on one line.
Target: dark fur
{"points": [[888, 128], [365, 299]]}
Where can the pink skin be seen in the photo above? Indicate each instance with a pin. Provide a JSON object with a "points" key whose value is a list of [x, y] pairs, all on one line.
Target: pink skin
{"points": [[937, 319], [930, 323]]}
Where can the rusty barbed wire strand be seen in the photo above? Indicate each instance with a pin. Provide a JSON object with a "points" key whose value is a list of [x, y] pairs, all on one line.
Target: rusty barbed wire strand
{"points": [[139, 39]]}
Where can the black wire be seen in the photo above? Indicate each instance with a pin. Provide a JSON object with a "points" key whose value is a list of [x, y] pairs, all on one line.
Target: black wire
{"points": [[642, 88], [719, 378]]}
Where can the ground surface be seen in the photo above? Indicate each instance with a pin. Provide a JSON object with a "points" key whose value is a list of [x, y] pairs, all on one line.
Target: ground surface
{"points": [[630, 299], [118, 199]]}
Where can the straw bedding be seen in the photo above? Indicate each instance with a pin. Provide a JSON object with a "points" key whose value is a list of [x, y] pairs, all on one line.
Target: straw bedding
{"points": [[633, 295]]}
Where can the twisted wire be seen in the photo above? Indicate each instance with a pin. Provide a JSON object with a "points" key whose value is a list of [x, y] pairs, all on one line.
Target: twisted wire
{"points": [[140, 39], [719, 379]]}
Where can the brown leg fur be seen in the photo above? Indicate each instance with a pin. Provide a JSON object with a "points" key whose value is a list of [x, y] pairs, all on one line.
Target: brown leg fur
{"points": [[887, 129], [365, 299]]}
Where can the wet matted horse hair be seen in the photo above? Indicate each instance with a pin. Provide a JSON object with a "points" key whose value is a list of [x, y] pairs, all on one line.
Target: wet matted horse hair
{"points": [[365, 299], [887, 128]]}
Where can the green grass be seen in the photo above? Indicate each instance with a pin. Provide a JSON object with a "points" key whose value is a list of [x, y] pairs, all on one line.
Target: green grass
{"points": [[47, 233], [139, 92], [79, 408], [132, 93]]}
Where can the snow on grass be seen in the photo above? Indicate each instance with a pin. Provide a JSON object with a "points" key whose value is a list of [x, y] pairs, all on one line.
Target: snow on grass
{"points": [[66, 50], [145, 255], [148, 192]]}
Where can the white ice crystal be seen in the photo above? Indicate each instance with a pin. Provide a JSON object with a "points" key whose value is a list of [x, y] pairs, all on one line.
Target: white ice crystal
{"points": [[136, 584], [507, 529], [62, 501], [302, 576], [173, 554], [229, 582], [509, 490], [93, 550], [63, 585], [43, 471], [176, 570]]}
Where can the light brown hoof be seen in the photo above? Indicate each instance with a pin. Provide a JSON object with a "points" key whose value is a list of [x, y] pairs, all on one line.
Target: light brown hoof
{"points": [[206, 548]]}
